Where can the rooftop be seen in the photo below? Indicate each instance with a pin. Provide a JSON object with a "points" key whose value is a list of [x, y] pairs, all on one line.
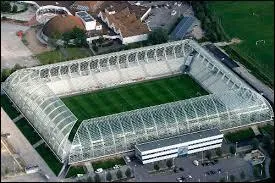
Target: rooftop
{"points": [[127, 22], [178, 139], [85, 16], [183, 27], [65, 4]]}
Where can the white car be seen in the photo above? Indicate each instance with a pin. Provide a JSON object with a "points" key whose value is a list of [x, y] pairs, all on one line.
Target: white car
{"points": [[127, 159], [196, 162], [116, 167], [173, 12], [99, 170]]}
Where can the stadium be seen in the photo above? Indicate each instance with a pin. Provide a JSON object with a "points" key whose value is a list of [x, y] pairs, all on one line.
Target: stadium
{"points": [[37, 93]]}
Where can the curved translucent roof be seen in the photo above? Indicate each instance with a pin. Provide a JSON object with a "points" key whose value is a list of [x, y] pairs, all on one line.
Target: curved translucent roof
{"points": [[116, 133], [231, 104], [46, 112]]}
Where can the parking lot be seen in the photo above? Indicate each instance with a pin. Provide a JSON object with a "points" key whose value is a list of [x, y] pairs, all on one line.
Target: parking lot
{"points": [[191, 173], [13, 51], [161, 14]]}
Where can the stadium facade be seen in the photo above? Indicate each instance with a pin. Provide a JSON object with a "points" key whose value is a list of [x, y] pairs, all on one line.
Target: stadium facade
{"points": [[36, 91]]}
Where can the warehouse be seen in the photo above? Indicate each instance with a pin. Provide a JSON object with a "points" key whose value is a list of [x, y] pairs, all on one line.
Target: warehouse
{"points": [[178, 146]]}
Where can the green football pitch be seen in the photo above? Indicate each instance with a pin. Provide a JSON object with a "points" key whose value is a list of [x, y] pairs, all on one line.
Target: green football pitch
{"points": [[132, 96], [253, 23]]}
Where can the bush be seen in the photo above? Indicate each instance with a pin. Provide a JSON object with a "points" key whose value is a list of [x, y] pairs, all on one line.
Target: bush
{"points": [[119, 174], [242, 175], [219, 152], [5, 6], [232, 149], [232, 178], [156, 167], [128, 172], [208, 155], [255, 143], [14, 8], [158, 36], [169, 163], [97, 178], [109, 176]]}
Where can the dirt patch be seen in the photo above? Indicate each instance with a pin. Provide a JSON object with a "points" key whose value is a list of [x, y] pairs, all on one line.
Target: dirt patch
{"points": [[34, 44], [235, 41]]}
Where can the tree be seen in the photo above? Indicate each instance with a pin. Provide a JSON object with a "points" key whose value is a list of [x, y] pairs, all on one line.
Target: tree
{"points": [[169, 163], [14, 8], [266, 140], [5, 6], [232, 178], [97, 178], [109, 176], [219, 152], [222, 179], [255, 143], [128, 172], [242, 175], [232, 149], [156, 167], [208, 155], [5, 74], [158, 36], [119, 174]]}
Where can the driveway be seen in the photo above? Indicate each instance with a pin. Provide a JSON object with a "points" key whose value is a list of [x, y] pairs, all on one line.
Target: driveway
{"points": [[13, 51]]}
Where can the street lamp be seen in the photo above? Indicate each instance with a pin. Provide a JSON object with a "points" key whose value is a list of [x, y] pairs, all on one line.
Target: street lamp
{"points": [[236, 149]]}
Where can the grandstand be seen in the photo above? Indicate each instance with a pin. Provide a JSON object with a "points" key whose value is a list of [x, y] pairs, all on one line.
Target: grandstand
{"points": [[36, 92]]}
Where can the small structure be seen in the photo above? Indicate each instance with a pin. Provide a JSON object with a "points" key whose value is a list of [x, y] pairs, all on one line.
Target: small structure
{"points": [[255, 157], [178, 146], [185, 26], [88, 21]]}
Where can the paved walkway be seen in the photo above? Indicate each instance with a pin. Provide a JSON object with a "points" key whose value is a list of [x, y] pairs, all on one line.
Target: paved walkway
{"points": [[18, 118], [255, 130], [38, 143], [23, 147], [89, 167]]}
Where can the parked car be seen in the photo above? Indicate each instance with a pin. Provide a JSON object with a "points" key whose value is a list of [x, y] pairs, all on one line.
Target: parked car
{"points": [[196, 162], [116, 167], [99, 170], [181, 169], [127, 159], [179, 179], [174, 12]]}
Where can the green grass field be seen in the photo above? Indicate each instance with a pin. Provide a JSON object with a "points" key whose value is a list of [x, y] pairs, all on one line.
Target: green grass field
{"points": [[109, 163], [6, 104], [74, 170], [132, 96], [61, 56], [49, 158], [28, 131], [250, 21]]}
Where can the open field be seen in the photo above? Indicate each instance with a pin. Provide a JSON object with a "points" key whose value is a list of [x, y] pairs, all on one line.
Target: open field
{"points": [[49, 158], [63, 54], [250, 22], [6, 104], [132, 96], [28, 131], [74, 170], [109, 163], [240, 135]]}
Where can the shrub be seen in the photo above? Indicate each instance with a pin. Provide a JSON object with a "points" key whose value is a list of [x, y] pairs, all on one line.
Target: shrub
{"points": [[14, 8], [156, 167], [5, 6], [169, 163], [109, 176], [158, 36], [119, 174], [97, 178], [208, 155], [255, 143], [219, 152], [232, 149], [232, 178], [128, 172]]}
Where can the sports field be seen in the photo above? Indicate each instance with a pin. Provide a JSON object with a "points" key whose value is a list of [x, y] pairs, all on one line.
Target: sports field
{"points": [[250, 21], [132, 96]]}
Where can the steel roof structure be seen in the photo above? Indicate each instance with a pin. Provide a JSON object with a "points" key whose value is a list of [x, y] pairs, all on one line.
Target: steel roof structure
{"points": [[231, 104]]}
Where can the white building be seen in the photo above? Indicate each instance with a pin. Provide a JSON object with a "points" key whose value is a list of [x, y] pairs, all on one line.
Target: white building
{"points": [[178, 146], [126, 25], [88, 21]]}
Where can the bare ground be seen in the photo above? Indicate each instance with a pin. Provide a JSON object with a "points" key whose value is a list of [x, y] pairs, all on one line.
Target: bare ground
{"points": [[34, 44]]}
